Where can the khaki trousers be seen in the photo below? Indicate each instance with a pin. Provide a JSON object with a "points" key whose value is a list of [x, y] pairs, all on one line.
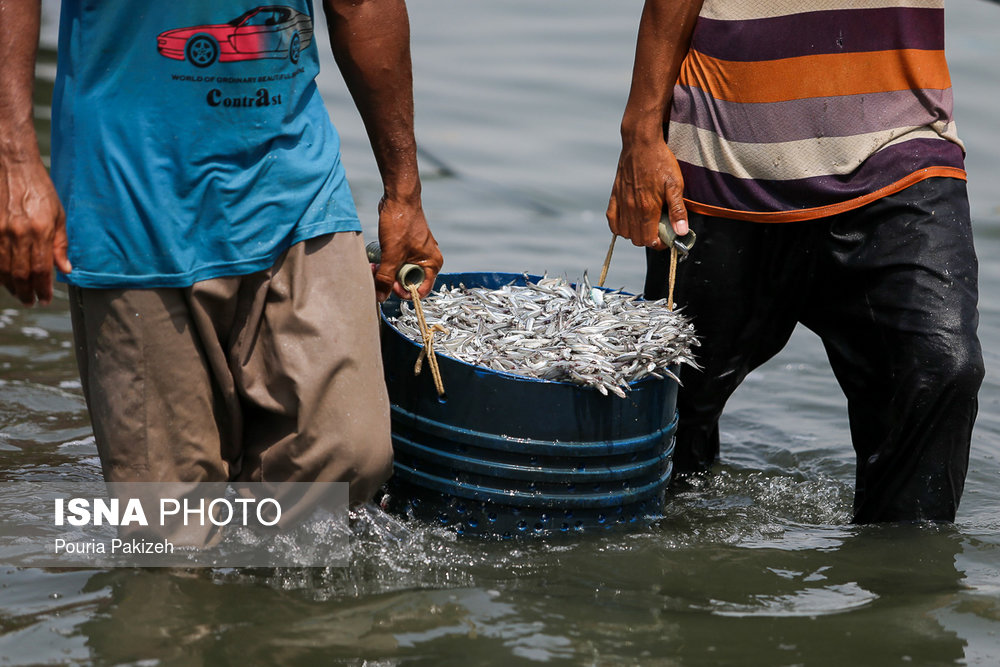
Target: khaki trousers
{"points": [[273, 376]]}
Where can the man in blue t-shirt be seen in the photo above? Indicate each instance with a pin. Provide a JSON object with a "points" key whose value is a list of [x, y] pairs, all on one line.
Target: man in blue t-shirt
{"points": [[221, 300]]}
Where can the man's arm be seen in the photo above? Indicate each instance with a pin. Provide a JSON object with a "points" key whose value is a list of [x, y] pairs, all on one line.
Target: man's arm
{"points": [[371, 43], [649, 178], [32, 222]]}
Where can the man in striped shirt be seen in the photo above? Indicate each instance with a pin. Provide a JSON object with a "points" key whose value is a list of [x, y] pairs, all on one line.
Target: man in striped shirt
{"points": [[812, 148]]}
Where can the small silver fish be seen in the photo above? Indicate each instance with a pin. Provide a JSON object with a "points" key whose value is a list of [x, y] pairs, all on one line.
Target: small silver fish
{"points": [[588, 336]]}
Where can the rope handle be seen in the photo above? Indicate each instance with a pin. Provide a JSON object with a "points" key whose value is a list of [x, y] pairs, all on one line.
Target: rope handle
{"points": [[427, 334], [679, 246], [411, 276]]}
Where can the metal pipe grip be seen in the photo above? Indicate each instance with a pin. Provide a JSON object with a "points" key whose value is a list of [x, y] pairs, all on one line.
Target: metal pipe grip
{"points": [[669, 238], [408, 274]]}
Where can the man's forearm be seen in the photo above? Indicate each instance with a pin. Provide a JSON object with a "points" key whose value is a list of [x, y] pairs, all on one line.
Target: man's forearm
{"points": [[371, 43], [649, 181], [19, 25], [32, 222], [664, 38]]}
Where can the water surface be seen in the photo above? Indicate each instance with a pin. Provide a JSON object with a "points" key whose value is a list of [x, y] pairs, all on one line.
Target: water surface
{"points": [[518, 106]]}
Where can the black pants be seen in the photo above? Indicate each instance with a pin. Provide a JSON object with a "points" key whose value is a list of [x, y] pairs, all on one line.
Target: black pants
{"points": [[892, 289]]}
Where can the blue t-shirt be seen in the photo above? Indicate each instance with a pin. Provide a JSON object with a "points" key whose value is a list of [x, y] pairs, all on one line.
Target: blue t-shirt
{"points": [[190, 141]]}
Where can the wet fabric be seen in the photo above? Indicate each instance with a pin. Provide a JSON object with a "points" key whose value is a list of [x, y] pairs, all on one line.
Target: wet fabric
{"points": [[892, 290], [190, 141], [274, 376], [792, 110]]}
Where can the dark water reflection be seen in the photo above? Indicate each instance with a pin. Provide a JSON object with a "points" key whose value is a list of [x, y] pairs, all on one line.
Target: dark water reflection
{"points": [[755, 565]]}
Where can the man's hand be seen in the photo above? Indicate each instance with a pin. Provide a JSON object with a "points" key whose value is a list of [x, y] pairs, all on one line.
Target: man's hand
{"points": [[32, 230], [648, 183], [404, 237]]}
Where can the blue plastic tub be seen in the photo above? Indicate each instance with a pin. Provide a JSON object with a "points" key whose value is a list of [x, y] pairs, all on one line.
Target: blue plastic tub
{"points": [[505, 455]]}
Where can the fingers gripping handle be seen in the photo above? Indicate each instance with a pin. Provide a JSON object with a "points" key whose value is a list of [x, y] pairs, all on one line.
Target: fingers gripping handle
{"points": [[408, 274], [670, 239]]}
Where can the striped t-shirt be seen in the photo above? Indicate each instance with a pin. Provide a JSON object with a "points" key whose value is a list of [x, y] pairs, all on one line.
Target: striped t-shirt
{"points": [[792, 110]]}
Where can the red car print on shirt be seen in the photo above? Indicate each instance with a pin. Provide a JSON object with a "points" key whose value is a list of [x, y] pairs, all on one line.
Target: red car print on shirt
{"points": [[271, 31]]}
